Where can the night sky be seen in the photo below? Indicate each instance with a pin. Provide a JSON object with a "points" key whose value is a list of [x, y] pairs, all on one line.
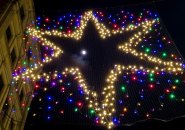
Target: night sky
{"points": [[171, 13]]}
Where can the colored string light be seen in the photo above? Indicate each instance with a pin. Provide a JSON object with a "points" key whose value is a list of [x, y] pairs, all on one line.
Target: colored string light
{"points": [[104, 109]]}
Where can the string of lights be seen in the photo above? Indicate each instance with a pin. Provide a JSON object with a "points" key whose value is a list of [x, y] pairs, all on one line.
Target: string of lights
{"points": [[106, 108]]}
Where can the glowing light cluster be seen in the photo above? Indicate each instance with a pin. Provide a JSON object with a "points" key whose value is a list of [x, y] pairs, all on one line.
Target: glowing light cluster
{"points": [[104, 109], [30, 72], [145, 28]]}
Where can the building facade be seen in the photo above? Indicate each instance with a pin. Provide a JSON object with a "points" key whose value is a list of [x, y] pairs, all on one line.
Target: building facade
{"points": [[15, 15]]}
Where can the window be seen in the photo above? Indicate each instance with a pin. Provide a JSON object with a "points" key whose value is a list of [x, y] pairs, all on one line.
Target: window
{"points": [[22, 14], [21, 96], [11, 126], [1, 83], [13, 56], [5, 109], [29, 53], [8, 34]]}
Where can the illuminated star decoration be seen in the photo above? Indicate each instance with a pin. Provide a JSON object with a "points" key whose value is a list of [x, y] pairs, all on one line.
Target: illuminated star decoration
{"points": [[105, 109]]}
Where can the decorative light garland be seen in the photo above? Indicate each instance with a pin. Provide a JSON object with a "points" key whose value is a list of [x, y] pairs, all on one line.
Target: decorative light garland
{"points": [[106, 109]]}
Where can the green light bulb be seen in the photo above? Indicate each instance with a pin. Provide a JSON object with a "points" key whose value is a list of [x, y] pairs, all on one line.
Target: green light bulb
{"points": [[123, 88], [92, 111], [61, 27], [177, 81], [151, 79], [147, 50], [164, 54], [24, 62], [172, 96], [76, 109], [151, 74]]}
